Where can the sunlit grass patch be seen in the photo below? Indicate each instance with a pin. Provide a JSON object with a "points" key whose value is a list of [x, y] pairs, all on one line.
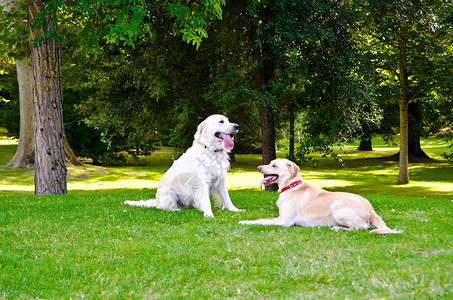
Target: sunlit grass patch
{"points": [[363, 172]]}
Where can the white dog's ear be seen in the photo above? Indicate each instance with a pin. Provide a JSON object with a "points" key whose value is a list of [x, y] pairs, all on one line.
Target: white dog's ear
{"points": [[293, 169], [200, 130]]}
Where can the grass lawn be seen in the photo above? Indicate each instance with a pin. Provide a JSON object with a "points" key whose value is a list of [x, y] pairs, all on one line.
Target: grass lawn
{"points": [[88, 245]]}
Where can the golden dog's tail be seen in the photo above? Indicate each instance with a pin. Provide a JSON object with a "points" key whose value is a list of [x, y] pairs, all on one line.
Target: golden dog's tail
{"points": [[381, 227]]}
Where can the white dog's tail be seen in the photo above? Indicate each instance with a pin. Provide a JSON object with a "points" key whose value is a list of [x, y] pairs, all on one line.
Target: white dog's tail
{"points": [[144, 203], [381, 227]]}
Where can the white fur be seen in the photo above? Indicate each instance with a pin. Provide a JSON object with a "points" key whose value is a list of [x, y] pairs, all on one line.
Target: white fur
{"points": [[198, 173]]}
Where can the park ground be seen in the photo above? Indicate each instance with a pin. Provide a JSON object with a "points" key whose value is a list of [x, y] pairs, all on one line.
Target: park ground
{"points": [[87, 244]]}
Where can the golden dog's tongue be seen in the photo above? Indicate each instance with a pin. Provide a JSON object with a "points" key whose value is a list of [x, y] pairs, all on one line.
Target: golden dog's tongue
{"points": [[227, 141], [267, 179]]}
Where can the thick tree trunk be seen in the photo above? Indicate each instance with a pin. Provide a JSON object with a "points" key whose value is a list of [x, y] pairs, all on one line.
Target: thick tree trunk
{"points": [[264, 72], [365, 143], [268, 133], [414, 149], [50, 167], [415, 132], [25, 156]]}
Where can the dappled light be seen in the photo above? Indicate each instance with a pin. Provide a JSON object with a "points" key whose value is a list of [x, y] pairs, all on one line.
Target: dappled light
{"points": [[362, 173], [122, 191]]}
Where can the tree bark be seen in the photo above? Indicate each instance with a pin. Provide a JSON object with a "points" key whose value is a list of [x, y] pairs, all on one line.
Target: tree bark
{"points": [[365, 143], [264, 72], [70, 157], [50, 167], [404, 109], [25, 156], [268, 133], [415, 132], [292, 118], [404, 155]]}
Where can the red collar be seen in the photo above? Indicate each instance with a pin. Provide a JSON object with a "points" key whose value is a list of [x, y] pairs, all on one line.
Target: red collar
{"points": [[292, 185]]}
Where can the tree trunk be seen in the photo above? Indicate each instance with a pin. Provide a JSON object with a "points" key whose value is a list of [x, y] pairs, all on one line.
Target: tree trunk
{"points": [[264, 72], [404, 108], [50, 167], [404, 155], [70, 157], [365, 143], [292, 118], [25, 156], [268, 133], [415, 132]]}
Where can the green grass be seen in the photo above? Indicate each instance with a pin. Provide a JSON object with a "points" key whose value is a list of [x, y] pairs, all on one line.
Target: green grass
{"points": [[91, 246], [88, 245]]}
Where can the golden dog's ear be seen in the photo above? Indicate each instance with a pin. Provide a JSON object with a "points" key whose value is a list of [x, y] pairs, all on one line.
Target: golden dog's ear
{"points": [[293, 169], [200, 130]]}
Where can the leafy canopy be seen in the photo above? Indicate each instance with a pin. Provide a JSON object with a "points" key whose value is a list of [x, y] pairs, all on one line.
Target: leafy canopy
{"points": [[119, 22]]}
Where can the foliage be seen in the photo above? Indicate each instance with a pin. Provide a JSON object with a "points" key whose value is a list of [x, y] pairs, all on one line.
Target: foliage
{"points": [[193, 18], [448, 155], [13, 30], [173, 90], [138, 95], [424, 30], [9, 100], [128, 22], [88, 142], [317, 73], [94, 25]]}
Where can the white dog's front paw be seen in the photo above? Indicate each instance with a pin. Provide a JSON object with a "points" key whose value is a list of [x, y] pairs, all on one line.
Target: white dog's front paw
{"points": [[234, 208], [208, 214]]}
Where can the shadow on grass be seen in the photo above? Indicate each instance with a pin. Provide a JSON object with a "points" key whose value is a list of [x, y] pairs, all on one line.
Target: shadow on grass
{"points": [[7, 153]]}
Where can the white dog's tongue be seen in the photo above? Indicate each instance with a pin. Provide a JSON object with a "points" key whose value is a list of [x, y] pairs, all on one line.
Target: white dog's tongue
{"points": [[227, 141]]}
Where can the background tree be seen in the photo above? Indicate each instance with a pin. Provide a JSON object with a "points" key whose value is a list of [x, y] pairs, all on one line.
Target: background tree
{"points": [[50, 168], [223, 76], [318, 62], [15, 44], [126, 24], [406, 41]]}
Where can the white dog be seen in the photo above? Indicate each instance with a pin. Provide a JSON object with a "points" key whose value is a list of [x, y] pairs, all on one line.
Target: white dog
{"points": [[199, 172], [303, 204]]}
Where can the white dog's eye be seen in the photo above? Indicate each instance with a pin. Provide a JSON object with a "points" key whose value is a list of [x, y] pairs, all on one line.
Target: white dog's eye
{"points": [[221, 121], [274, 166]]}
